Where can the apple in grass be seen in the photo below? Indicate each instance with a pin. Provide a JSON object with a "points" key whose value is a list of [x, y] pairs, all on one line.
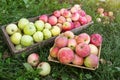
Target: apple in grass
{"points": [[93, 49], [22, 23], [96, 39], [83, 20], [44, 18], [47, 34], [69, 34], [61, 19], [44, 68], [100, 10], [11, 28], [72, 43], [55, 30], [75, 16], [52, 20], [53, 51], [26, 40], [65, 55], [15, 38], [78, 60], [57, 13], [29, 29], [83, 38], [48, 26], [82, 49], [61, 41], [91, 61], [39, 24], [33, 59], [38, 36]]}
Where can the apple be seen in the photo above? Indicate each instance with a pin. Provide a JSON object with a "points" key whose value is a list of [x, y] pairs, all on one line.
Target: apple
{"points": [[89, 18], [91, 61], [11, 28], [66, 14], [57, 13], [68, 19], [38, 36], [61, 41], [100, 10], [47, 34], [105, 13], [18, 47], [77, 6], [83, 38], [33, 59], [72, 43], [98, 19], [93, 49], [26, 40], [83, 20], [22, 23], [65, 55], [78, 60], [39, 24], [15, 38], [82, 49], [61, 19], [59, 25], [110, 13], [66, 26], [69, 34], [44, 68], [73, 10], [29, 29], [82, 13], [48, 26], [53, 51], [55, 30], [52, 20], [44, 18], [96, 39], [75, 16], [62, 11], [76, 24]]}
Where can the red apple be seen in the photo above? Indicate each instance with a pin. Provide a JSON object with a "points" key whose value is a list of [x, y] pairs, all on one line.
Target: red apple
{"points": [[96, 39], [69, 34], [43, 18], [61, 41], [89, 18], [73, 10], [91, 61], [75, 16], [66, 13], [93, 49], [52, 20], [72, 43], [100, 10], [83, 20], [78, 60], [54, 51], [83, 38], [82, 49], [77, 24], [62, 11], [65, 55], [61, 19], [33, 59], [67, 26], [82, 13], [57, 13]]}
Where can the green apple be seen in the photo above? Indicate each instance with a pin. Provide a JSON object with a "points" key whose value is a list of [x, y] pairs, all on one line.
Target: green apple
{"points": [[47, 34], [15, 38], [55, 30], [48, 26], [26, 40], [22, 23], [39, 24], [18, 47], [29, 29], [38, 36], [11, 28]]}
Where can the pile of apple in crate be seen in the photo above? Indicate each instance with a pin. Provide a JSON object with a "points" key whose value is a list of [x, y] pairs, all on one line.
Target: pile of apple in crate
{"points": [[81, 50]]}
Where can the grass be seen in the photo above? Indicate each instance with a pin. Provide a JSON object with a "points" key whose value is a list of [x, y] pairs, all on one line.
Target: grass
{"points": [[11, 68]]}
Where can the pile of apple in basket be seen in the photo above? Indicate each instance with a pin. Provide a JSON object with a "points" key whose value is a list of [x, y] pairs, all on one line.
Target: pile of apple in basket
{"points": [[81, 50]]}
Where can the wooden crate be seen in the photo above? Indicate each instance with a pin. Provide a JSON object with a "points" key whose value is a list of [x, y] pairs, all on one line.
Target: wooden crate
{"points": [[36, 45], [56, 61]]}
